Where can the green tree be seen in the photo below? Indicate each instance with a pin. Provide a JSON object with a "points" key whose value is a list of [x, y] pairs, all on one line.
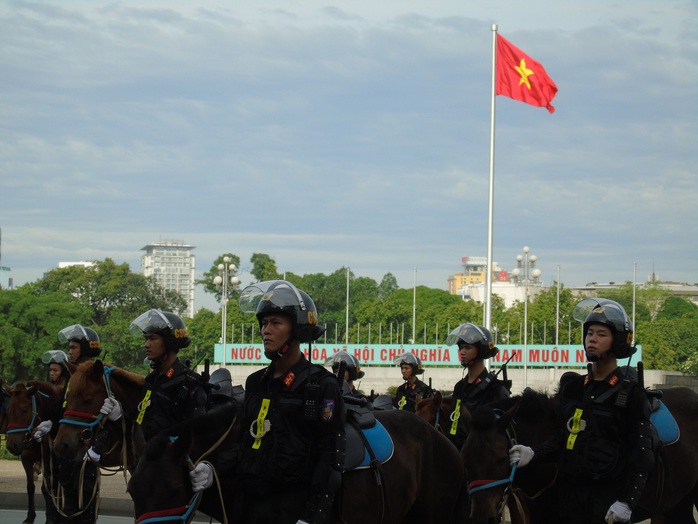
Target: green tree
{"points": [[263, 267]]}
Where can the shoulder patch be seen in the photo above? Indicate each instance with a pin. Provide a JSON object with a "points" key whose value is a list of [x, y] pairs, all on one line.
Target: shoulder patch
{"points": [[327, 409]]}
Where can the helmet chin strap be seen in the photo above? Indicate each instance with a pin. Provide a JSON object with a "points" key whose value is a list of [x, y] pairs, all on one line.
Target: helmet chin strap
{"points": [[597, 358], [276, 355]]}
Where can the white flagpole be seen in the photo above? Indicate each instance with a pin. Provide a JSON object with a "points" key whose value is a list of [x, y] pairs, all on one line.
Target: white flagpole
{"points": [[490, 226]]}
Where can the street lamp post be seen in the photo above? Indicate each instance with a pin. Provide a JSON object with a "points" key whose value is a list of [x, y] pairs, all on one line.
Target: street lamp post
{"points": [[526, 263], [225, 276]]}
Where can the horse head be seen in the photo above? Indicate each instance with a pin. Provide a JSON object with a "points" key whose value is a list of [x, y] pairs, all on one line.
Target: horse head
{"points": [[26, 409], [160, 485], [437, 411], [5, 393], [486, 458]]}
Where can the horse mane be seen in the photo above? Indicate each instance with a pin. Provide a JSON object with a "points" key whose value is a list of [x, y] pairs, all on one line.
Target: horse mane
{"points": [[46, 388], [135, 378], [79, 379], [530, 404], [215, 419]]}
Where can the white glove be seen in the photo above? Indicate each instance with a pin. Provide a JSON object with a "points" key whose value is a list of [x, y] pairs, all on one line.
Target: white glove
{"points": [[111, 408], [520, 455], [618, 512], [201, 477], [92, 455], [301, 522], [42, 430]]}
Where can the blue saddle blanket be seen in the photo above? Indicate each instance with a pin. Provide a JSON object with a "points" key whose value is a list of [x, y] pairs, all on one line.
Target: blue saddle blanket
{"points": [[665, 424], [357, 456]]}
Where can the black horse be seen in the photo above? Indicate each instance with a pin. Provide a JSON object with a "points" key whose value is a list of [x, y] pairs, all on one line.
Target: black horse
{"points": [[671, 491], [421, 483]]}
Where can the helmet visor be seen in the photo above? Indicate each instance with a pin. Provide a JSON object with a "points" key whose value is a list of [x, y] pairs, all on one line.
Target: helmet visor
{"points": [[55, 356], [338, 358], [151, 321], [407, 358], [613, 312], [468, 333], [279, 292], [74, 332]]}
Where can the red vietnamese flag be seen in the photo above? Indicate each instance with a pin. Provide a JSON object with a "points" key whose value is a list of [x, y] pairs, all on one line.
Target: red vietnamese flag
{"points": [[522, 78]]}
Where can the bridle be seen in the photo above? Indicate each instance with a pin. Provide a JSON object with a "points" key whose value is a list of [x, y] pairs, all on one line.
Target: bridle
{"points": [[88, 432], [184, 514], [18, 428], [481, 485]]}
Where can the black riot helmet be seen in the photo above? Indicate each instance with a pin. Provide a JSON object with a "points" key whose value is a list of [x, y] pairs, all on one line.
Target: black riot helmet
{"points": [[412, 360], [611, 314], [279, 297], [56, 356], [164, 323], [86, 337], [352, 363], [478, 336]]}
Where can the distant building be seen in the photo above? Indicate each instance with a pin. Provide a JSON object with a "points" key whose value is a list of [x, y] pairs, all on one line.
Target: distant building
{"points": [[82, 263], [675, 289], [470, 283], [173, 266], [474, 272]]}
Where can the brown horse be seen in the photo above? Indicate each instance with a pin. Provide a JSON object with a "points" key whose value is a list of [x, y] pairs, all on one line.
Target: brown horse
{"points": [[421, 483], [82, 421], [438, 411], [27, 406], [671, 491]]}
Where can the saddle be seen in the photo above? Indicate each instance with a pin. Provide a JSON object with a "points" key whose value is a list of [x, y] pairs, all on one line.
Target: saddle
{"points": [[368, 442], [664, 422]]}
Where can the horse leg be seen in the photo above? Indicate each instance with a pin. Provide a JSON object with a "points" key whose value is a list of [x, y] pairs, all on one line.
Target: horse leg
{"points": [[28, 465]]}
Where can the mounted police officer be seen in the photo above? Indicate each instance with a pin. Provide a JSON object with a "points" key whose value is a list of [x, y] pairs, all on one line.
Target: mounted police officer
{"points": [[605, 449], [478, 386], [172, 392], [352, 371], [412, 390], [59, 374], [293, 439], [83, 346]]}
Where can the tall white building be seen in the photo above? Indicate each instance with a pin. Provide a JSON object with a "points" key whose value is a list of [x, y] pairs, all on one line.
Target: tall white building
{"points": [[173, 265]]}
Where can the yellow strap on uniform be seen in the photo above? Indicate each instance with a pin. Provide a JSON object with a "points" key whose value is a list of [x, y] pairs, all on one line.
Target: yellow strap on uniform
{"points": [[402, 402], [142, 406], [456, 416], [575, 428], [263, 412]]}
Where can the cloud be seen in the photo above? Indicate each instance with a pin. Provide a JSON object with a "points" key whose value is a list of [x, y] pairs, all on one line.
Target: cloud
{"points": [[330, 136]]}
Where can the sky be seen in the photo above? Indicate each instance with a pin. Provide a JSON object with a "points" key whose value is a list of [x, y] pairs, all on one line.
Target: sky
{"points": [[349, 134]]}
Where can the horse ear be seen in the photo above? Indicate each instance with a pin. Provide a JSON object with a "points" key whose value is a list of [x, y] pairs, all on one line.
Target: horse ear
{"points": [[97, 369], [182, 445], [438, 398], [32, 388], [504, 421]]}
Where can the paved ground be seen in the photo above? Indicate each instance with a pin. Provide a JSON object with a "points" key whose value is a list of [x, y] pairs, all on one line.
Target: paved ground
{"points": [[116, 506]]}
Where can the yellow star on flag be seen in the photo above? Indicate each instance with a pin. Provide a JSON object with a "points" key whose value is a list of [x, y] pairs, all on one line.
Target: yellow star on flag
{"points": [[524, 72]]}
